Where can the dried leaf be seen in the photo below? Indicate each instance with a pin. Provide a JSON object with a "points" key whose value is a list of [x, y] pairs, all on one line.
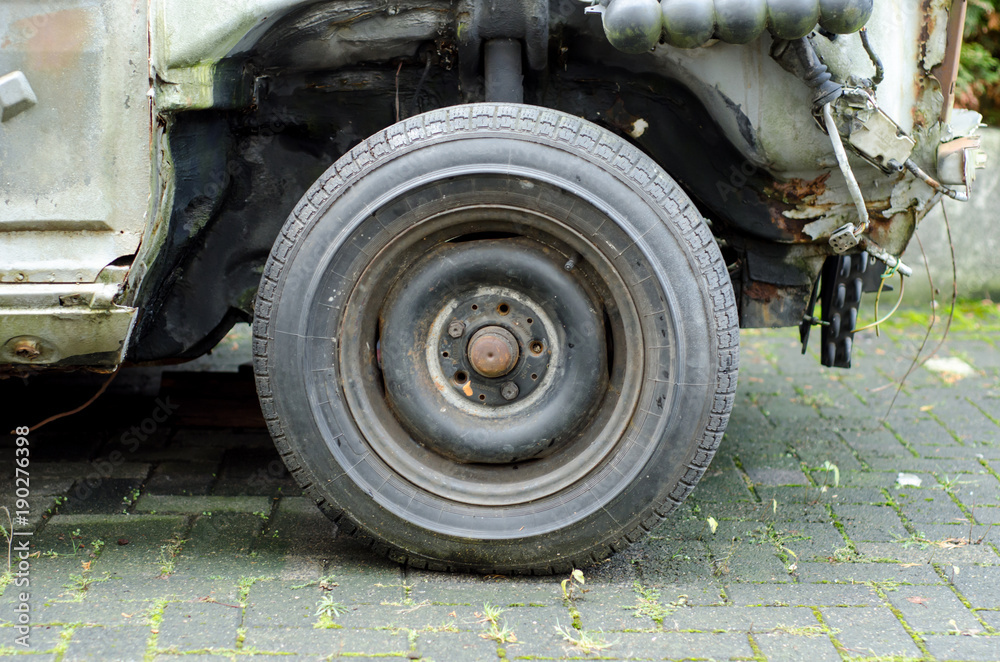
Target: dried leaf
{"points": [[712, 524], [917, 600]]}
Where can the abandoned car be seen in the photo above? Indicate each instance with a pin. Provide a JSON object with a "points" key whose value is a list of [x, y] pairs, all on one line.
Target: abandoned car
{"points": [[496, 254]]}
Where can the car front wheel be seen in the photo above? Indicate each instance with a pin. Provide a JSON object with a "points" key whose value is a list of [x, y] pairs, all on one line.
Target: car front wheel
{"points": [[496, 338]]}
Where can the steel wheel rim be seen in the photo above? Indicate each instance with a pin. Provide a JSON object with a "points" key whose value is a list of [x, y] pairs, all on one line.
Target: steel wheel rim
{"points": [[506, 484]]}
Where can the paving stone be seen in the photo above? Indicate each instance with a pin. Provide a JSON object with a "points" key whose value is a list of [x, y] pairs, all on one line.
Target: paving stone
{"points": [[807, 541], [991, 618], [460, 647], [279, 604], [221, 544], [41, 638], [101, 495], [909, 552], [680, 645], [196, 657], [740, 619], [870, 631], [114, 644], [781, 646], [929, 506], [299, 528], [860, 573], [324, 642], [958, 647], [256, 472], [197, 505], [794, 595], [980, 585], [133, 588], [182, 478], [472, 590], [816, 497], [291, 640], [419, 616], [222, 439], [534, 623], [198, 625], [933, 609], [870, 523]]}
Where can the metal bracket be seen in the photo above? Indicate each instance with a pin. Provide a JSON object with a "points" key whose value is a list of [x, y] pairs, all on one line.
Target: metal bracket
{"points": [[484, 20]]}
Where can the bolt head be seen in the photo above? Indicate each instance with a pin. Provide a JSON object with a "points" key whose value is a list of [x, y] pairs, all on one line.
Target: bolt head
{"points": [[509, 391], [16, 95], [27, 349], [456, 329]]}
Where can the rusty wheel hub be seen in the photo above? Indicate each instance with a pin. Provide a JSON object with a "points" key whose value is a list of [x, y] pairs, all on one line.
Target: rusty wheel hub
{"points": [[493, 352]]}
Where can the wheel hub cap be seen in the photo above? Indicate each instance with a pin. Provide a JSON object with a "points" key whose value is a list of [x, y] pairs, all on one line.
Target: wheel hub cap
{"points": [[493, 352]]}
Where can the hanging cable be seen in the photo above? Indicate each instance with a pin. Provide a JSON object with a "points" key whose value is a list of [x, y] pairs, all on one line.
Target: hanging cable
{"points": [[845, 167], [920, 174], [876, 60], [902, 289]]}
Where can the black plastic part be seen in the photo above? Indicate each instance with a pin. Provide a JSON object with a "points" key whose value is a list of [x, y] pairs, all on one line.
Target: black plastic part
{"points": [[817, 75], [809, 320], [845, 279]]}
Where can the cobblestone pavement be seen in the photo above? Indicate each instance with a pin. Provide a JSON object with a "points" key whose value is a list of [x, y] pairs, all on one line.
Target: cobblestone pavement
{"points": [[194, 544]]}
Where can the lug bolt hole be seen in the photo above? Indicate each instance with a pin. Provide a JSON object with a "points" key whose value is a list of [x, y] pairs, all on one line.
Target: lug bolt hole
{"points": [[482, 397], [475, 307], [529, 320], [537, 347], [461, 377], [503, 309], [445, 354], [534, 376]]}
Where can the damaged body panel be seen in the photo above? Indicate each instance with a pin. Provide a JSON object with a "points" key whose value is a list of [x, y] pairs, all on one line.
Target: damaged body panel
{"points": [[175, 143]]}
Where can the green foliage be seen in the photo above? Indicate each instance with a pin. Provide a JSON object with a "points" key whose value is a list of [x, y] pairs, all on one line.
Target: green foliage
{"points": [[979, 75], [330, 607]]}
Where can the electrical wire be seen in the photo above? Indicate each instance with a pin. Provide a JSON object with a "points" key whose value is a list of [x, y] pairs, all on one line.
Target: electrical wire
{"points": [[902, 290], [927, 335], [845, 167], [954, 286], [86, 404], [876, 60], [920, 174]]}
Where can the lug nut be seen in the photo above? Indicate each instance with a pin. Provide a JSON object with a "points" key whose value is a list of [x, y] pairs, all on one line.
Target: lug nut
{"points": [[456, 329], [509, 391]]}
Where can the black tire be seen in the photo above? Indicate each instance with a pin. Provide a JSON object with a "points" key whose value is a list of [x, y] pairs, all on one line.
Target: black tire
{"points": [[542, 201]]}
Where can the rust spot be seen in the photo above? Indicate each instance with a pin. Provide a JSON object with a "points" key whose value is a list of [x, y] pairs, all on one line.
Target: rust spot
{"points": [[620, 118], [759, 291], [792, 229], [799, 191]]}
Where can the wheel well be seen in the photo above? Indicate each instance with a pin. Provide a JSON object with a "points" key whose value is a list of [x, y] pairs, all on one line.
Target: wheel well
{"points": [[240, 172]]}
